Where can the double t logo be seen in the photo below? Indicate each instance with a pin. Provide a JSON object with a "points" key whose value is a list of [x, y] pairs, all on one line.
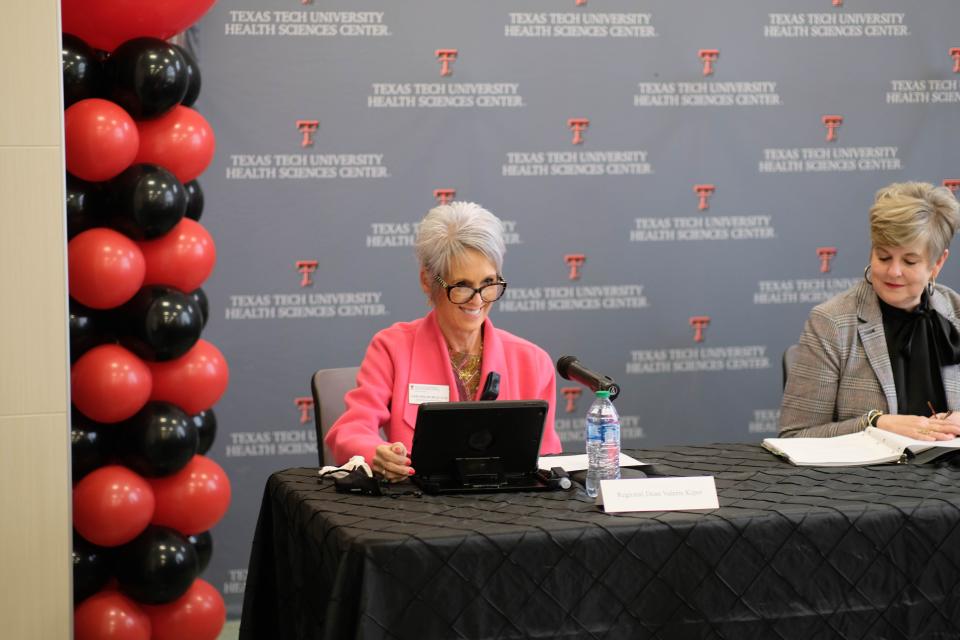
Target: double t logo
{"points": [[709, 56], [306, 267], [704, 191], [832, 123], [446, 57], [307, 128], [826, 255], [578, 125], [575, 261], [305, 404], [699, 323]]}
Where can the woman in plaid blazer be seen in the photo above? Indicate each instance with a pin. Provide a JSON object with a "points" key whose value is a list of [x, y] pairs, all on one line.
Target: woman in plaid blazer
{"points": [[885, 352]]}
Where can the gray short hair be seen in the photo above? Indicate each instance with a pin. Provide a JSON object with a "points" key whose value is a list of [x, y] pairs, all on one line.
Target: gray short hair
{"points": [[448, 231], [905, 212]]}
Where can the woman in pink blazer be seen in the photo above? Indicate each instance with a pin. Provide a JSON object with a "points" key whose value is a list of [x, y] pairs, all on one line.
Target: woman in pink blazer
{"points": [[446, 354]]}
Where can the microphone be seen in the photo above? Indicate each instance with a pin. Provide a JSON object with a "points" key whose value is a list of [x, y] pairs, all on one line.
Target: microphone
{"points": [[491, 388], [571, 369]]}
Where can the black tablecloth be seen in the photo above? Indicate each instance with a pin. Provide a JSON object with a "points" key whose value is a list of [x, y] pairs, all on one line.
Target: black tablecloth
{"points": [[792, 552]]}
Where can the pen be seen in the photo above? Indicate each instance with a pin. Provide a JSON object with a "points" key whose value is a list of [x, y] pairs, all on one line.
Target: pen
{"points": [[933, 412], [556, 478]]}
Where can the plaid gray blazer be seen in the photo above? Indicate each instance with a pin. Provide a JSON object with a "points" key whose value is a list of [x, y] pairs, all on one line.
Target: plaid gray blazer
{"points": [[842, 368]]}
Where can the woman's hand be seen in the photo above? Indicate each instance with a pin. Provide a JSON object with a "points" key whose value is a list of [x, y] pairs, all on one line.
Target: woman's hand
{"points": [[951, 417], [920, 427], [392, 463]]}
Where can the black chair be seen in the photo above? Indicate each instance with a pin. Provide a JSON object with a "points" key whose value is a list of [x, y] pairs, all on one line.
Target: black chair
{"points": [[789, 357], [328, 387]]}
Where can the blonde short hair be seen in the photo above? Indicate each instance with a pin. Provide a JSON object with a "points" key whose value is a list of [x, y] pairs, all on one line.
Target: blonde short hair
{"points": [[906, 212]]}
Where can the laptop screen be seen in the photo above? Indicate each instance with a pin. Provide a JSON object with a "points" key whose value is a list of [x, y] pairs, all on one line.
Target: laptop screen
{"points": [[474, 431]]}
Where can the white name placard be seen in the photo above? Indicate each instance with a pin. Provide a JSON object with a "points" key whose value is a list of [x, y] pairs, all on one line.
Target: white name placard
{"points": [[658, 494], [420, 393]]}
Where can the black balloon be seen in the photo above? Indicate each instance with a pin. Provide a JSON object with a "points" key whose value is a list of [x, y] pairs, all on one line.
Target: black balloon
{"points": [[194, 200], [92, 567], [87, 329], [91, 444], [158, 440], [206, 424], [146, 201], [84, 206], [203, 545], [146, 76], [82, 70], [159, 323], [201, 299], [193, 78], [156, 567]]}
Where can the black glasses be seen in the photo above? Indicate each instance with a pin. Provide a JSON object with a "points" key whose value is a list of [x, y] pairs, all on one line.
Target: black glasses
{"points": [[462, 294]]}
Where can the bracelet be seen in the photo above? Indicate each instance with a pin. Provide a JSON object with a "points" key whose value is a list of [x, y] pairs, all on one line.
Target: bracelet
{"points": [[873, 416]]}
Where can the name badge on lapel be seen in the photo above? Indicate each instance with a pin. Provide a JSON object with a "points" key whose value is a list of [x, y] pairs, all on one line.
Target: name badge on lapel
{"points": [[420, 393]]}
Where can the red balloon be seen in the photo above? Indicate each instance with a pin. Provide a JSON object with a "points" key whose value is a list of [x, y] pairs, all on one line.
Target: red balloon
{"points": [[112, 505], [105, 24], [193, 499], [110, 384], [198, 614], [194, 381], [106, 268], [182, 258], [180, 141], [101, 139], [109, 615]]}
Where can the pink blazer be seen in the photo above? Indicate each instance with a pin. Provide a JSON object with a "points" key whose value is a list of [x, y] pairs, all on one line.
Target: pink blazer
{"points": [[415, 352]]}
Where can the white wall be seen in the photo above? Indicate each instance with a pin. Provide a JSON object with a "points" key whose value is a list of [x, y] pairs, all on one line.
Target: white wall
{"points": [[35, 531]]}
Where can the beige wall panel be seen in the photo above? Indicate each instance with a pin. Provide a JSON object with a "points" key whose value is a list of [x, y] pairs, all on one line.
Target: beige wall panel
{"points": [[35, 530], [30, 38], [33, 334]]}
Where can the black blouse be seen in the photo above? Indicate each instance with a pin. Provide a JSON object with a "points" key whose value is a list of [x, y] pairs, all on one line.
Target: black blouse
{"points": [[920, 343]]}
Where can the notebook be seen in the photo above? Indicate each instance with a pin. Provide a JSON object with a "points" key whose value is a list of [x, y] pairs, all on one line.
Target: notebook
{"points": [[487, 446], [871, 446]]}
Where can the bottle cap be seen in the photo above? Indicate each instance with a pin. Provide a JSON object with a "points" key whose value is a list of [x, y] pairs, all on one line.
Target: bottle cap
{"points": [[603, 393]]}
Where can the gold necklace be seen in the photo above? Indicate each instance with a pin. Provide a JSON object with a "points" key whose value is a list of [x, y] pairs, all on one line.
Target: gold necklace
{"points": [[467, 368]]}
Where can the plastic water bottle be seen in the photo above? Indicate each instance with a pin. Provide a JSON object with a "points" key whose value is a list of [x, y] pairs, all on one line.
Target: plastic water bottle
{"points": [[603, 442]]}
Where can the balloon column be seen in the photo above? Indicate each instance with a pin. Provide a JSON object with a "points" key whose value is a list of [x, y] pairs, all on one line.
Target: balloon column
{"points": [[142, 380]]}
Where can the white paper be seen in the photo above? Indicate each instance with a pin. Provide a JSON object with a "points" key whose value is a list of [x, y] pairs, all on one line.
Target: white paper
{"points": [[872, 446], [420, 393], [849, 449], [579, 462], [658, 494]]}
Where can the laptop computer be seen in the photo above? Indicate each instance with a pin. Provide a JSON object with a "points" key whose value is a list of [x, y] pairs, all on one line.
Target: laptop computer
{"points": [[477, 447]]}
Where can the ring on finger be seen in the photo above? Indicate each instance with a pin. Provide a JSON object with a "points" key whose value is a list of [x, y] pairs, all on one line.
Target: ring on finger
{"points": [[925, 432]]}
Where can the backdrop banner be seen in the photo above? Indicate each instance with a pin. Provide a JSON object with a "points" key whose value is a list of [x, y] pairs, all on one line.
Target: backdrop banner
{"points": [[680, 183]]}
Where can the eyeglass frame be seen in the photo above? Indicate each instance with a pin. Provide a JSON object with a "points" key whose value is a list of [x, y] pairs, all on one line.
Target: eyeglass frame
{"points": [[476, 290]]}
